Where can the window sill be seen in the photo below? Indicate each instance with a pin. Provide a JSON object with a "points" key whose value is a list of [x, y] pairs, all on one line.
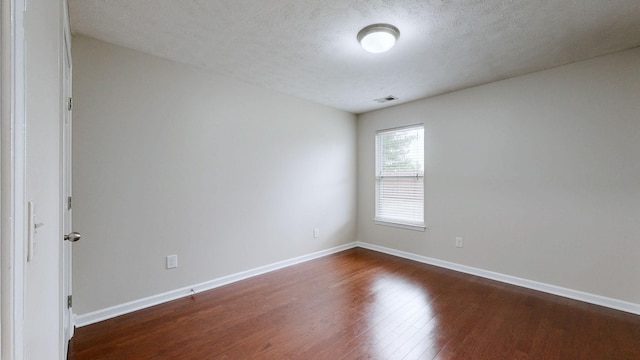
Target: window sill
{"points": [[400, 225]]}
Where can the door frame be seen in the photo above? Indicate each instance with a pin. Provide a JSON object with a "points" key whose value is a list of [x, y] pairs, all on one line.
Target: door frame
{"points": [[66, 316], [13, 178]]}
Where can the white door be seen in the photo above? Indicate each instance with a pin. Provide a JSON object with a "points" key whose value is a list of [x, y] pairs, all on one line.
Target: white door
{"points": [[70, 237]]}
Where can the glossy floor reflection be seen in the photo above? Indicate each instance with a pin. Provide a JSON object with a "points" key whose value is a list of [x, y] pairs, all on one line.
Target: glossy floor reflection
{"points": [[402, 318], [360, 304]]}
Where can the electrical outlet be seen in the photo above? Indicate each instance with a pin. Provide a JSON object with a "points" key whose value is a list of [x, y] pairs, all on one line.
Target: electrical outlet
{"points": [[459, 242], [172, 261], [316, 233]]}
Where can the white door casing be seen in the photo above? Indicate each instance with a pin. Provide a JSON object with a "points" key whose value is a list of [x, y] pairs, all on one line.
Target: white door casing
{"points": [[13, 178], [66, 171]]}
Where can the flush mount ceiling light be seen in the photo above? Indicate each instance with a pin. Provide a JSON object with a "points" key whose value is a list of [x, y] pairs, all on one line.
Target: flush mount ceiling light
{"points": [[378, 38]]}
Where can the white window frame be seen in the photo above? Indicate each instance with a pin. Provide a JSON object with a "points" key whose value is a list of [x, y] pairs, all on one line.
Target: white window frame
{"points": [[405, 223]]}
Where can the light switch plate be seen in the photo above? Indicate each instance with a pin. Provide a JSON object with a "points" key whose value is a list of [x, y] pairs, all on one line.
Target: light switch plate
{"points": [[172, 261], [31, 230]]}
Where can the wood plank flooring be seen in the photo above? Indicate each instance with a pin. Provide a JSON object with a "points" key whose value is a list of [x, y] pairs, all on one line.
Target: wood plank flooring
{"points": [[360, 304]]}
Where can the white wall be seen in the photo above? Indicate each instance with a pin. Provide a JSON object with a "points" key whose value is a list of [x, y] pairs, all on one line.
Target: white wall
{"points": [[540, 175], [43, 29], [169, 159]]}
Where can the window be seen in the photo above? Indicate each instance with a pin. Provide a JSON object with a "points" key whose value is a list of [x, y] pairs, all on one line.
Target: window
{"points": [[400, 177]]}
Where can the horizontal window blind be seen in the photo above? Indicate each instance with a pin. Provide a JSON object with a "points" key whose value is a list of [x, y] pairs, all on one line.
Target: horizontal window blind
{"points": [[400, 175]]}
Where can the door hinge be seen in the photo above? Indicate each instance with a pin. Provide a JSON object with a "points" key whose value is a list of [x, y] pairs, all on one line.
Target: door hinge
{"points": [[69, 203], [70, 104], [70, 301]]}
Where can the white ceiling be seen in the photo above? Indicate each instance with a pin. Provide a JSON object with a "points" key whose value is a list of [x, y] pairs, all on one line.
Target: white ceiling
{"points": [[308, 48]]}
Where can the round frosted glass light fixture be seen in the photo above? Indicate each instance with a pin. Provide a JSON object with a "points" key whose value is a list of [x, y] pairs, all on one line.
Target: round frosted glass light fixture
{"points": [[378, 38]]}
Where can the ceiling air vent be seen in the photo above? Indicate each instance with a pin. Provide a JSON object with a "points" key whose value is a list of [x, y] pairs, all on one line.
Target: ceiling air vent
{"points": [[386, 99]]}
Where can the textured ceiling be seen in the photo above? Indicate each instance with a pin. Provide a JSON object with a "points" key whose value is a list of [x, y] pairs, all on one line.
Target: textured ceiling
{"points": [[308, 48]]}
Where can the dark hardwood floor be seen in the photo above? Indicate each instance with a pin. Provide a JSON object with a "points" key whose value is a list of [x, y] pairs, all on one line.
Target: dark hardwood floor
{"points": [[360, 304]]}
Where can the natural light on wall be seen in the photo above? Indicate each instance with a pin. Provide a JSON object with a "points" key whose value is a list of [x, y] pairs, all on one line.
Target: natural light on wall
{"points": [[400, 177]]}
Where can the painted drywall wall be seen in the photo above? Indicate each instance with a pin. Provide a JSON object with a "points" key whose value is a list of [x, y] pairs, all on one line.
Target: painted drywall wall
{"points": [[539, 174], [43, 29], [169, 159]]}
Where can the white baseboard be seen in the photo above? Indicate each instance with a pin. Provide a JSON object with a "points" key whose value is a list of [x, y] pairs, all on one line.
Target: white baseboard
{"points": [[111, 312], [530, 284]]}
